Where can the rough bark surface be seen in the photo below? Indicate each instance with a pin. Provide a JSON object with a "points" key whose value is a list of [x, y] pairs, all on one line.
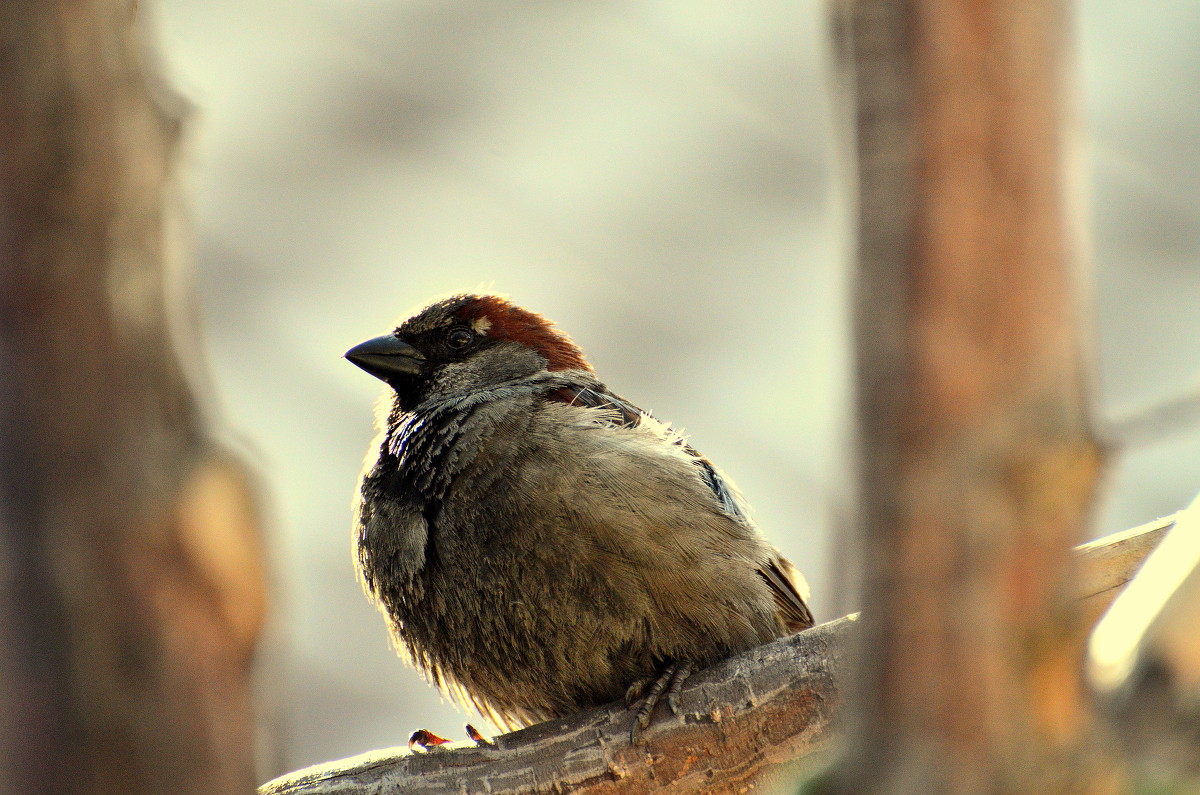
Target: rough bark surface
{"points": [[978, 464], [742, 721], [761, 718], [131, 588]]}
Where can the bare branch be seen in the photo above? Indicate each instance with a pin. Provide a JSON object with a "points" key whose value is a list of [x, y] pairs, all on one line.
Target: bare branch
{"points": [[1156, 421], [1108, 563], [1144, 660]]}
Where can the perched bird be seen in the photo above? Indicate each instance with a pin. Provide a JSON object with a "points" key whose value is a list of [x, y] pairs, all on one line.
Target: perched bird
{"points": [[539, 544]]}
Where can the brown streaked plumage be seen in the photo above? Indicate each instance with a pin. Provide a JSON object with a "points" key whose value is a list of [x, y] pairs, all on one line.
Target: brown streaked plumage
{"points": [[539, 543]]}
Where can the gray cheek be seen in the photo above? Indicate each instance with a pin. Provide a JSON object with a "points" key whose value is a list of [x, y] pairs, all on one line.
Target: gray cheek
{"points": [[454, 378], [489, 367]]}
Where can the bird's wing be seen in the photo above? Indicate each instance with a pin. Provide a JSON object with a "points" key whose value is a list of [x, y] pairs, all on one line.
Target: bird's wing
{"points": [[785, 582], [627, 415], [782, 577]]}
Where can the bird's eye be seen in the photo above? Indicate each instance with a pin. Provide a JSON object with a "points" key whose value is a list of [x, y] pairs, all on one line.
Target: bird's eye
{"points": [[459, 338]]}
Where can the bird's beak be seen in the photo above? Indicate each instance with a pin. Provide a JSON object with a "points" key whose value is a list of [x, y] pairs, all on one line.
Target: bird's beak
{"points": [[387, 358]]}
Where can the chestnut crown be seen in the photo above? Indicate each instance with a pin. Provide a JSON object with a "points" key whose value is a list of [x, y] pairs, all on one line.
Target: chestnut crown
{"points": [[463, 342]]}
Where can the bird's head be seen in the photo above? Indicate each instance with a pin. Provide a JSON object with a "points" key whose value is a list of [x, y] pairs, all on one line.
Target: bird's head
{"points": [[462, 344]]}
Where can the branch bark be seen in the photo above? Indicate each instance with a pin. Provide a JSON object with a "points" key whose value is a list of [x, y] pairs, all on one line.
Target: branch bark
{"points": [[1156, 421], [1144, 663], [749, 721], [131, 580]]}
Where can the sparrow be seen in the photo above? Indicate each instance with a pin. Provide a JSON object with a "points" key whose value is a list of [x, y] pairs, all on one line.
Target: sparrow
{"points": [[538, 544]]}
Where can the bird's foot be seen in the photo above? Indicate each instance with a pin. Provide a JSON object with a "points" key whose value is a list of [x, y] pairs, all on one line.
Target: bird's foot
{"points": [[636, 690], [425, 739], [669, 681], [478, 738]]}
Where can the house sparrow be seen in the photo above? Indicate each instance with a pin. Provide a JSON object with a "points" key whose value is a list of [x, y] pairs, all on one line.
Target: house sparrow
{"points": [[539, 544]]}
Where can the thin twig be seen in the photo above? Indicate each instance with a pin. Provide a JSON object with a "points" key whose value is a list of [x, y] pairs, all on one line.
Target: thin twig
{"points": [[1155, 421]]}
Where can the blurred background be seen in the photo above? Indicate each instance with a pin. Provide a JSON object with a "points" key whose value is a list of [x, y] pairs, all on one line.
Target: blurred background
{"points": [[665, 180]]}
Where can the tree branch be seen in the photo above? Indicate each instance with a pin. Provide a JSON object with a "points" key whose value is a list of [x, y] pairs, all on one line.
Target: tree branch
{"points": [[744, 721], [1155, 421], [1144, 662]]}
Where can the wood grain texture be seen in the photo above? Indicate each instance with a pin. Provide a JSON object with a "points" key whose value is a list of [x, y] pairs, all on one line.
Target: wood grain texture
{"points": [[1106, 564]]}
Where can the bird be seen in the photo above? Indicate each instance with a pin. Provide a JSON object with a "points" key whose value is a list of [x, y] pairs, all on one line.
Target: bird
{"points": [[538, 544]]}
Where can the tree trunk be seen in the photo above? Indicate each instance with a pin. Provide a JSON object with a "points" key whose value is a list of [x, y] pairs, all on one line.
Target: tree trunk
{"points": [[131, 588], [977, 462]]}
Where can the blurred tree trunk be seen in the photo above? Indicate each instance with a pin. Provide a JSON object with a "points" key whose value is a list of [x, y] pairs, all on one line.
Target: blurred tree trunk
{"points": [[978, 466], [131, 587]]}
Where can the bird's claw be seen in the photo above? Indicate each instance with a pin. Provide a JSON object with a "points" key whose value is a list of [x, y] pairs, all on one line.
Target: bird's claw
{"points": [[478, 738], [669, 681], [634, 692], [635, 733], [425, 739], [682, 672]]}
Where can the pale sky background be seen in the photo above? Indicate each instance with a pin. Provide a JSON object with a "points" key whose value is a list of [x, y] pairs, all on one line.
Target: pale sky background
{"points": [[659, 177]]}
